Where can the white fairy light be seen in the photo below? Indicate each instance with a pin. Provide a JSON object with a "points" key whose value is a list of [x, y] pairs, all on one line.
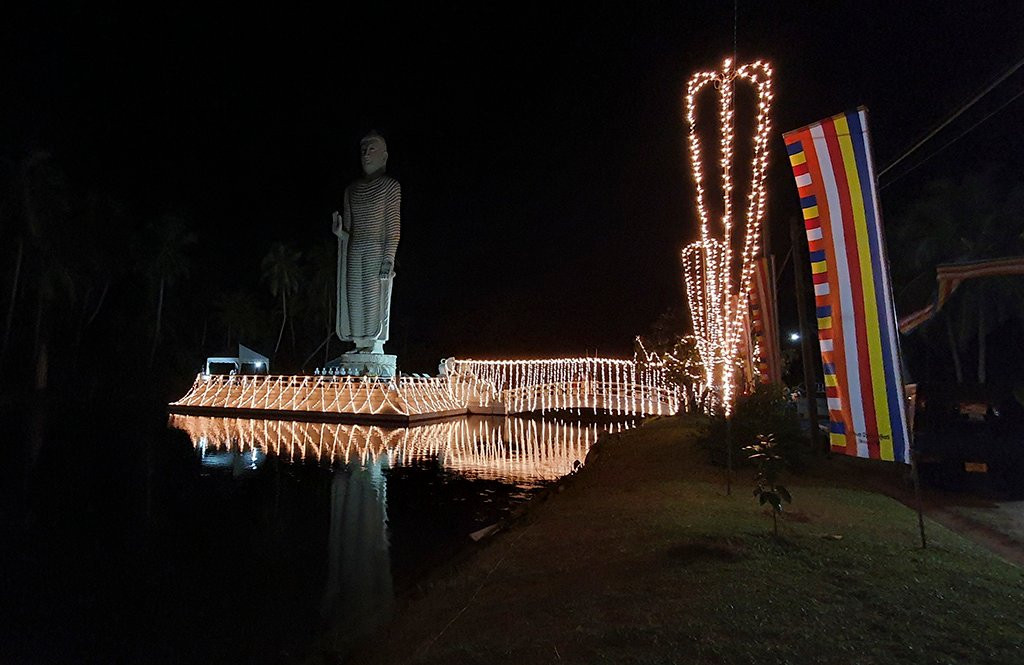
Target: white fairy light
{"points": [[718, 301], [467, 386]]}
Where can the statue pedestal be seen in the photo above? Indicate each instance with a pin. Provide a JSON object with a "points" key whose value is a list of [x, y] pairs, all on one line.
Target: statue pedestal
{"points": [[383, 365]]}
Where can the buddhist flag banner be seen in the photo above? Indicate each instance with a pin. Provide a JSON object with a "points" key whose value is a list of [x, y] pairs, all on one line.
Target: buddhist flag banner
{"points": [[835, 178], [745, 350], [765, 321], [951, 275]]}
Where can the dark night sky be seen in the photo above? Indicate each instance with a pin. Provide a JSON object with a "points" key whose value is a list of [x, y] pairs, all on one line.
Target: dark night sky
{"points": [[540, 150]]}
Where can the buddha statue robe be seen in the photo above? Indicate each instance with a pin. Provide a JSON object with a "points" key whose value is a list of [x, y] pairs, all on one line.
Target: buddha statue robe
{"points": [[367, 241]]}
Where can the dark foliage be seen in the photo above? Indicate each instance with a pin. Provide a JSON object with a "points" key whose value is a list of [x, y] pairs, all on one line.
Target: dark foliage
{"points": [[94, 292], [765, 411]]}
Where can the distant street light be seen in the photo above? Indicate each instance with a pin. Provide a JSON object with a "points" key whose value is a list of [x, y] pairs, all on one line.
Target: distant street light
{"points": [[794, 337]]}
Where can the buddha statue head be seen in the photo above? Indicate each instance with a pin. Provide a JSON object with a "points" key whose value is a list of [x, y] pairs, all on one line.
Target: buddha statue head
{"points": [[373, 152]]}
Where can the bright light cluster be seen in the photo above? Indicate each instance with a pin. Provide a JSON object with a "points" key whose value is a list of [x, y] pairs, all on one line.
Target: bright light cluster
{"points": [[664, 361], [703, 275], [409, 397], [600, 384], [497, 387], [683, 371], [719, 299]]}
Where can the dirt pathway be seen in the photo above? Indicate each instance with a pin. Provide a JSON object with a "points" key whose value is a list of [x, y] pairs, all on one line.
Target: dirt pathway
{"points": [[994, 523]]}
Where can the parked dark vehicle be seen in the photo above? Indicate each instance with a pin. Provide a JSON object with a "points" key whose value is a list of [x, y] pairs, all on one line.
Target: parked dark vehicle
{"points": [[970, 437]]}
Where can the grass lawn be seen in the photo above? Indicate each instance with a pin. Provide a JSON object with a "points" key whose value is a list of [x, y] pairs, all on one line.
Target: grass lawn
{"points": [[643, 559]]}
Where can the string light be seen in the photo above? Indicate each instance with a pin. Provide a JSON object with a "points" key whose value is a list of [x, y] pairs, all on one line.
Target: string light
{"points": [[467, 386], [685, 372], [720, 301], [703, 273], [600, 384]]}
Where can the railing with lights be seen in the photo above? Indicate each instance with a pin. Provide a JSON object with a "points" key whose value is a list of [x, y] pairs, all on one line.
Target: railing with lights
{"points": [[599, 384], [408, 396], [609, 385]]}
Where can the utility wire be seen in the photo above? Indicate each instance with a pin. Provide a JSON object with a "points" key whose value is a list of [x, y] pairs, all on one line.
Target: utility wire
{"points": [[955, 139], [953, 117]]}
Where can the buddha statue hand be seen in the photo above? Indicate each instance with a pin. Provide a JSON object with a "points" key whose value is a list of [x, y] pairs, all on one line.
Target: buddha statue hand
{"points": [[385, 269]]}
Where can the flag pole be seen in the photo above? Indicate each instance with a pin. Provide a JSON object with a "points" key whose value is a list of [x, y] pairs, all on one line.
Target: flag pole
{"points": [[917, 491], [899, 343]]}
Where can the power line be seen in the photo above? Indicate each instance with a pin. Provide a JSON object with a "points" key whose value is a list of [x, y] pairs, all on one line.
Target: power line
{"points": [[954, 140], [953, 117]]}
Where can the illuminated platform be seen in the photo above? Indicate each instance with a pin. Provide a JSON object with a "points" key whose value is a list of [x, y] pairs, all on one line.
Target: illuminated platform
{"points": [[489, 387]]}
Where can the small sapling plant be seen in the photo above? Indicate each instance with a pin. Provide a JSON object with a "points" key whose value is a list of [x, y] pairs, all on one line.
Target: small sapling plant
{"points": [[767, 490]]}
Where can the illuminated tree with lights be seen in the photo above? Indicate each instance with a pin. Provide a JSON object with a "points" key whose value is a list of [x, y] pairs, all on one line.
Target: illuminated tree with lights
{"points": [[719, 297]]}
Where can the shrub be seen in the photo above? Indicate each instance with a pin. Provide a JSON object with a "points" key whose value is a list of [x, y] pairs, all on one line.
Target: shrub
{"points": [[766, 410]]}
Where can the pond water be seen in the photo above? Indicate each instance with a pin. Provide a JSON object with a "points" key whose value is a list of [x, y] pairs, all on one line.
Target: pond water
{"points": [[197, 539]]}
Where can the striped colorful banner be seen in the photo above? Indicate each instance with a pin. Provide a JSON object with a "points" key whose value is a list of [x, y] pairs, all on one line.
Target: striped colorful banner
{"points": [[765, 321], [745, 348], [951, 275], [835, 177]]}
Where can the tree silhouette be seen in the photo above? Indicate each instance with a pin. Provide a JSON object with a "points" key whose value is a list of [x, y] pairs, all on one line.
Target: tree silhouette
{"points": [[323, 264], [42, 201], [239, 312], [162, 251], [99, 235], [976, 217], [35, 200], [281, 273]]}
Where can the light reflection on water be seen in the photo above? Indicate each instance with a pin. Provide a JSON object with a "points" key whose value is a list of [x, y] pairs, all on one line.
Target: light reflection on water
{"points": [[519, 451], [385, 511], [232, 540]]}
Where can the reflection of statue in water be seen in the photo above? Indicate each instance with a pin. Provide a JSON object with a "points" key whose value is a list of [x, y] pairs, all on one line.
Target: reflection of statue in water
{"points": [[359, 594], [368, 230]]}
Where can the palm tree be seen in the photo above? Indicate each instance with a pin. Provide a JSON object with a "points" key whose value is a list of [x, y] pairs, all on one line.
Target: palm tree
{"points": [[281, 272], [978, 308], [239, 313], [323, 260], [99, 236], [163, 252], [974, 218], [34, 194], [44, 206]]}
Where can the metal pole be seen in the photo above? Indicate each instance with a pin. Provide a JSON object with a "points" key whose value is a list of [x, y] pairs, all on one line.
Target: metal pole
{"points": [[807, 336], [917, 495]]}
